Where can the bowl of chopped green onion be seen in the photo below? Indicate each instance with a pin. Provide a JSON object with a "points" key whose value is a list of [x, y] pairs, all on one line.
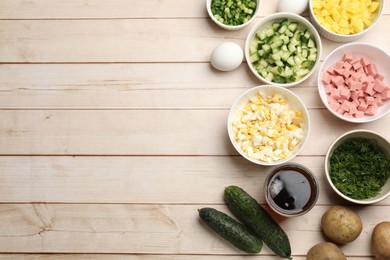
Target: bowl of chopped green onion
{"points": [[232, 14], [357, 166], [283, 49]]}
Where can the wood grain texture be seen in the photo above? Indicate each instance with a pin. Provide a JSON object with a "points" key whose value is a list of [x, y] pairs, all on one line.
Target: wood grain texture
{"points": [[144, 132], [85, 41], [148, 256], [153, 229], [113, 133], [114, 9], [130, 86], [140, 179]]}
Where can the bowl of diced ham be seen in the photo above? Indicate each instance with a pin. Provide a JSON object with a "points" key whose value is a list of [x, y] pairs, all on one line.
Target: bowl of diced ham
{"points": [[354, 82]]}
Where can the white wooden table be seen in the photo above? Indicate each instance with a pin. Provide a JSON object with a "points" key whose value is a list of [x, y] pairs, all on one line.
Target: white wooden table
{"points": [[113, 133]]}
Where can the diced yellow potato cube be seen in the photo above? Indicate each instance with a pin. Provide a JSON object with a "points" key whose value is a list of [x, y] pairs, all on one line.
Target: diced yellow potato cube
{"points": [[367, 21], [329, 20], [336, 27], [335, 14], [344, 23], [374, 6]]}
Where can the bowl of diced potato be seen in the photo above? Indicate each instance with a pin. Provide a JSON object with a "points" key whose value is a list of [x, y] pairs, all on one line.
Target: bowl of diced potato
{"points": [[268, 125], [345, 20]]}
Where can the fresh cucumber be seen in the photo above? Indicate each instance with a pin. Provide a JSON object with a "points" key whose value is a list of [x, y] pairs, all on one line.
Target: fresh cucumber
{"points": [[286, 46], [256, 218], [231, 230]]}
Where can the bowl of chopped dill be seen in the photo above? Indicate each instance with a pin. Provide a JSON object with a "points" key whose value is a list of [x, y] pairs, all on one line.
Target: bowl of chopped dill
{"points": [[357, 166]]}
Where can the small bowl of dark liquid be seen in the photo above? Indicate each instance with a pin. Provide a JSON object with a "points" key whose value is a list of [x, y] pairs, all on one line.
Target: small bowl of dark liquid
{"points": [[291, 190]]}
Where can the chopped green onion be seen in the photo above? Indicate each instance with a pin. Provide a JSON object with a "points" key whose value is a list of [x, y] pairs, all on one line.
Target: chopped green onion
{"points": [[233, 12]]}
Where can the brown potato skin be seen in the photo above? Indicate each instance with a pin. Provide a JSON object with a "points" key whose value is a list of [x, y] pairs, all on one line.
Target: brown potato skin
{"points": [[380, 241], [325, 251], [341, 224]]}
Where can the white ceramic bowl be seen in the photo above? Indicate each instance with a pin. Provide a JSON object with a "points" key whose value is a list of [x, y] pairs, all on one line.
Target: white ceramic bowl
{"points": [[266, 23], [342, 37], [295, 103], [382, 143], [231, 27], [358, 49]]}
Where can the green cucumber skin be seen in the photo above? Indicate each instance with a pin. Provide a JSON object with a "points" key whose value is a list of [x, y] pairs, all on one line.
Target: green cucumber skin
{"points": [[256, 218], [231, 230]]}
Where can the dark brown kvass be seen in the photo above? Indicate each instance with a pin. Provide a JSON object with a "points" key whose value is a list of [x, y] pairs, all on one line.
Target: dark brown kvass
{"points": [[291, 190]]}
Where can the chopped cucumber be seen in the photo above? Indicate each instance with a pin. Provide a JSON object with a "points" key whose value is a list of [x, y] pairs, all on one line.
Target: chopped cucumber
{"points": [[284, 52]]}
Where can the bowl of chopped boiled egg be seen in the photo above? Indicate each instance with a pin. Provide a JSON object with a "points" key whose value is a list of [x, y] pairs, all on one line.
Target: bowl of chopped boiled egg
{"points": [[345, 20], [268, 125], [283, 49]]}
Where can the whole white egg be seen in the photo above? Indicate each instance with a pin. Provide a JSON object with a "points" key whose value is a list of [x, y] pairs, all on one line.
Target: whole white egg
{"points": [[227, 56], [293, 6]]}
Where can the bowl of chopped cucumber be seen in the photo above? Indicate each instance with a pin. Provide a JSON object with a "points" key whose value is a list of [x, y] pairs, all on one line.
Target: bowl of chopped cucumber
{"points": [[232, 14], [345, 20], [283, 49], [357, 166]]}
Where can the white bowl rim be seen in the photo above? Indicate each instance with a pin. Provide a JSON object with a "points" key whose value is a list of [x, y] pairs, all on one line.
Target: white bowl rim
{"points": [[286, 15], [232, 27], [349, 36], [320, 85], [327, 157], [276, 88]]}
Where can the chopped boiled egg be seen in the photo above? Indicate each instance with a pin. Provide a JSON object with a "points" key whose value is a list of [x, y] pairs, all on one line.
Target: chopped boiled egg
{"points": [[267, 129]]}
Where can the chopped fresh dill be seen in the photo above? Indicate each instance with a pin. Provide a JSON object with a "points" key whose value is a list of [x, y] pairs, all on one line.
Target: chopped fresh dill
{"points": [[359, 168]]}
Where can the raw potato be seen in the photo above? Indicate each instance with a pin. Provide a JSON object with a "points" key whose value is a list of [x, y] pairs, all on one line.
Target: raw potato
{"points": [[341, 225], [325, 251], [380, 241]]}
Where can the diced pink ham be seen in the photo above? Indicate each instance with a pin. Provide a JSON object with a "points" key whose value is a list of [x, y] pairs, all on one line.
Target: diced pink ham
{"points": [[362, 106], [370, 89], [347, 115], [328, 88], [370, 100], [385, 95], [345, 93], [353, 109], [379, 76], [346, 105], [339, 65], [348, 57], [326, 78], [372, 70], [337, 80], [357, 65], [371, 110], [378, 99], [340, 111], [379, 86], [335, 93], [365, 61], [347, 65], [354, 87], [359, 114]]}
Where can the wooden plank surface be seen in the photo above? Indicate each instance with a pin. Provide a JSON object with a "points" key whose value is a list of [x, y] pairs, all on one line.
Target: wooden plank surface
{"points": [[66, 179], [128, 132], [160, 229], [113, 133], [81, 41]]}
